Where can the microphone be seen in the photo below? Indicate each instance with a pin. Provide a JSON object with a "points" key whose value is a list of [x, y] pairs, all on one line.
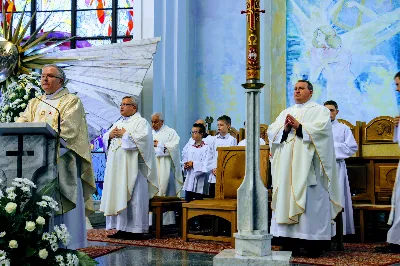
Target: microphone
{"points": [[33, 95]]}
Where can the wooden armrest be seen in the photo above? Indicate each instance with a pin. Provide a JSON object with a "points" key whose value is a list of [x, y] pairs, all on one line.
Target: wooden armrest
{"points": [[372, 207]]}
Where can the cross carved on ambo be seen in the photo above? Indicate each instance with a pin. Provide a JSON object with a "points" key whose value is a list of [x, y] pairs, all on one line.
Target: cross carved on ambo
{"points": [[253, 13], [19, 153]]}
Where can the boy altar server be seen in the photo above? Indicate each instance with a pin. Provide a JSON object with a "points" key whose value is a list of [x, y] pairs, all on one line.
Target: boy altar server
{"points": [[196, 165], [223, 139]]}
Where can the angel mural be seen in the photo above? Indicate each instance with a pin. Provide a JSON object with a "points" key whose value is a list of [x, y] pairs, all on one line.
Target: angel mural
{"points": [[347, 63]]}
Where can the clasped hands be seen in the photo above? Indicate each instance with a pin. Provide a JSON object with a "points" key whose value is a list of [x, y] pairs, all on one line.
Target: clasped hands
{"points": [[188, 165], [156, 145], [291, 122], [117, 133]]}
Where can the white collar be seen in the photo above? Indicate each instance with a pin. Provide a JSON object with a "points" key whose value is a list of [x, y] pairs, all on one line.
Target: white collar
{"points": [[302, 105], [223, 137], [161, 128], [51, 96], [126, 118]]}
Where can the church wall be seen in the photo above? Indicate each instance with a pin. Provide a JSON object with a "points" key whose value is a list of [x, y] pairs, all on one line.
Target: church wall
{"points": [[173, 86], [219, 55]]}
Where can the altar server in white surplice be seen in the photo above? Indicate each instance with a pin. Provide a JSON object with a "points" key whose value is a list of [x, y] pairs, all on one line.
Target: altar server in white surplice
{"points": [[131, 174], [75, 172], [345, 146], [196, 165], [208, 139], [222, 139], [166, 147], [306, 191], [393, 236]]}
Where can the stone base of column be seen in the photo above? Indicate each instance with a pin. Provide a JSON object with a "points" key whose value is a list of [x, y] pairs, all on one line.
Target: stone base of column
{"points": [[257, 243], [228, 257]]}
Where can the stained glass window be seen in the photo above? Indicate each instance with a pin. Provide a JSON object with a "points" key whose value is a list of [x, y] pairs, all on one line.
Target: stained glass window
{"points": [[17, 5], [48, 5], [88, 43], [125, 22], [58, 21], [126, 39], [93, 4], [93, 23], [16, 17], [93, 19], [125, 3], [99, 165]]}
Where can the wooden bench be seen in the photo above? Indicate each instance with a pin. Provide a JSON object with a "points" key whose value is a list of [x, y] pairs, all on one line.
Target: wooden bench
{"points": [[225, 209], [230, 174], [159, 205], [368, 207]]}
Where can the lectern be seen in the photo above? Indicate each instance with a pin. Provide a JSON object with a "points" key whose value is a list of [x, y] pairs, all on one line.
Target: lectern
{"points": [[28, 150]]}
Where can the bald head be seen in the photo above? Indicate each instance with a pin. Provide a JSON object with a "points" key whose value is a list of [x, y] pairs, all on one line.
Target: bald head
{"points": [[200, 121]]}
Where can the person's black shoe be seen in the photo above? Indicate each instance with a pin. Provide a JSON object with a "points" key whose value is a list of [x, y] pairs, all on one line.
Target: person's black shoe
{"points": [[133, 236], [117, 235], [391, 248], [314, 253]]}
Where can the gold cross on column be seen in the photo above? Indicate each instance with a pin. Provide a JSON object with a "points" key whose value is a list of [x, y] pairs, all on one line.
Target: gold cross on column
{"points": [[253, 11]]}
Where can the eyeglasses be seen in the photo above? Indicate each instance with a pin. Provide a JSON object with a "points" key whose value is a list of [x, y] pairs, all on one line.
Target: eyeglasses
{"points": [[125, 104], [49, 76]]}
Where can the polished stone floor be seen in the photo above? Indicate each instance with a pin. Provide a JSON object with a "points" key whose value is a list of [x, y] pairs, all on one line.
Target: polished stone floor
{"points": [[147, 256]]}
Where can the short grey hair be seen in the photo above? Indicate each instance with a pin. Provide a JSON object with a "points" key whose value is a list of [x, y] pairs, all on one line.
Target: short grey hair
{"points": [[159, 115], [134, 100], [61, 73]]}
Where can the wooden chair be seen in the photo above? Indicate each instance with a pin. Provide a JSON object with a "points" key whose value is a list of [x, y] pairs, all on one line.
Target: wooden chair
{"points": [[159, 205], [263, 133], [377, 167], [230, 174], [356, 130], [383, 156], [368, 207], [234, 133]]}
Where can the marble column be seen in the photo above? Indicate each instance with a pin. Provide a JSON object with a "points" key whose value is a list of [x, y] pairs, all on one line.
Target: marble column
{"points": [[252, 241]]}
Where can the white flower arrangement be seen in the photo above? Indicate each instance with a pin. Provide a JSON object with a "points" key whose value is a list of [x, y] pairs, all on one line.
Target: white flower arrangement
{"points": [[23, 240], [17, 95]]}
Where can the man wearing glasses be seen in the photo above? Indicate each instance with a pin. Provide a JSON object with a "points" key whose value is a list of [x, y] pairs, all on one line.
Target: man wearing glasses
{"points": [[130, 178], [76, 178]]}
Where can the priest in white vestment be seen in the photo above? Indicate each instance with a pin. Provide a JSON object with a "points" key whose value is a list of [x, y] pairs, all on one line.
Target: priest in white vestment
{"points": [[166, 147], [306, 191], [345, 147], [75, 172], [393, 236], [130, 178]]}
